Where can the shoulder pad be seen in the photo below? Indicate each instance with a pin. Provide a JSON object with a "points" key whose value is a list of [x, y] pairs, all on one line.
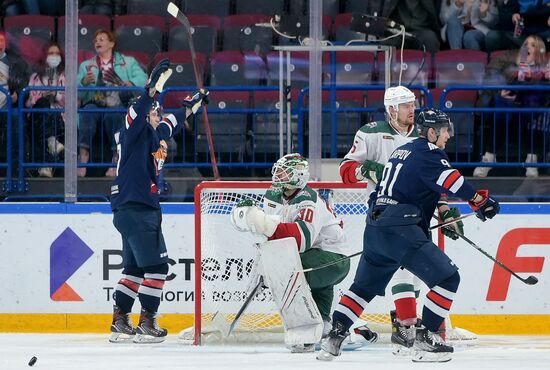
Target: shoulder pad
{"points": [[374, 127], [304, 195], [274, 195]]}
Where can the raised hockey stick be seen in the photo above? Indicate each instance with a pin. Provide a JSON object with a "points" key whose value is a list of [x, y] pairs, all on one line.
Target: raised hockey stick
{"points": [[255, 291], [176, 13]]}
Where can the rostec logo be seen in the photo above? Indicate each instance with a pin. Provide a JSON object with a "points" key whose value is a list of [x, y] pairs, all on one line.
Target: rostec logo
{"points": [[67, 254]]}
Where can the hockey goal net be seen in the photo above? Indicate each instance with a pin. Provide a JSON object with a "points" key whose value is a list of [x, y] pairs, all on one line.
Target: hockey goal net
{"points": [[225, 263]]}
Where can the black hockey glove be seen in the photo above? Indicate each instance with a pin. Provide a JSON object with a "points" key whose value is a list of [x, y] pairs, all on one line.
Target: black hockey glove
{"points": [[194, 101], [453, 229], [372, 170], [483, 205], [156, 73]]}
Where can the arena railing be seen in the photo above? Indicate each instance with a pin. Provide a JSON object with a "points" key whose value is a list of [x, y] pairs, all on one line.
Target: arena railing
{"points": [[6, 155]]}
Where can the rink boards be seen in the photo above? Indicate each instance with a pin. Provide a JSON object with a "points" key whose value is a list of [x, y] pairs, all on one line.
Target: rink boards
{"points": [[61, 263]]}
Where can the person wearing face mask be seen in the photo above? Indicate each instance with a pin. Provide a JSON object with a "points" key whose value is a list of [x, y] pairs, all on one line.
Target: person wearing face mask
{"points": [[48, 127]]}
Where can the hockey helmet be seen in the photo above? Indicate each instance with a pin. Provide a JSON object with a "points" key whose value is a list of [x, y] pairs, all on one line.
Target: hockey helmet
{"points": [[155, 105], [393, 96], [434, 118], [290, 172]]}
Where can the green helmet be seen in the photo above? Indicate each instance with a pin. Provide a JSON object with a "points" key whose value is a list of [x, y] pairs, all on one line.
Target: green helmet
{"points": [[290, 172]]}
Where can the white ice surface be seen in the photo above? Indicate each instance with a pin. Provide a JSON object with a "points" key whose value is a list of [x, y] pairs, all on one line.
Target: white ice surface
{"points": [[86, 351]]}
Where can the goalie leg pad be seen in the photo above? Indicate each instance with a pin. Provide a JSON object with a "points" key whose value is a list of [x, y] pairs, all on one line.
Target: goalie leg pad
{"points": [[301, 318]]}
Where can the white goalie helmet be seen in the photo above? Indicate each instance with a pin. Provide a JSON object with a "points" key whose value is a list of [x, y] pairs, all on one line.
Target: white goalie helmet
{"points": [[290, 172], [393, 96]]}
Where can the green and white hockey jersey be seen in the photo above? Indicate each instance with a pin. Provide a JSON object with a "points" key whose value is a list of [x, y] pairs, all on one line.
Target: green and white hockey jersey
{"points": [[374, 141], [308, 218]]}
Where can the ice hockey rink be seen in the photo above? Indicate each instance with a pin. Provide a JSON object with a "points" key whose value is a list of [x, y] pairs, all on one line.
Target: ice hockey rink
{"points": [[93, 351]]}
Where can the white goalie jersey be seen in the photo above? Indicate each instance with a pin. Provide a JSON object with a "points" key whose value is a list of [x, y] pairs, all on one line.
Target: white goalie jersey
{"points": [[309, 218]]}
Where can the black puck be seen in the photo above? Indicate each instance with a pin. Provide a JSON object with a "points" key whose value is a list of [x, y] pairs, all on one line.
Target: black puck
{"points": [[32, 361]]}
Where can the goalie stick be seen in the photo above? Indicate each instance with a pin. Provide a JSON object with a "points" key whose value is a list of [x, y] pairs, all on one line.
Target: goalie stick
{"points": [[176, 13], [255, 291]]}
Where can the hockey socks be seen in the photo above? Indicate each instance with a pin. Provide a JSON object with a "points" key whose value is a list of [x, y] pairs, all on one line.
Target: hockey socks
{"points": [[150, 290], [349, 308], [404, 297], [127, 288], [438, 302]]}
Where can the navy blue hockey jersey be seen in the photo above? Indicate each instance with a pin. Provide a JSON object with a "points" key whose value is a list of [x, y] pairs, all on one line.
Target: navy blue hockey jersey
{"points": [[142, 151], [418, 173]]}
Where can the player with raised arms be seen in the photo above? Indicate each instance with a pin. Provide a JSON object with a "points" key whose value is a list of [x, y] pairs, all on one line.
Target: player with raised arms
{"points": [[397, 235], [142, 147]]}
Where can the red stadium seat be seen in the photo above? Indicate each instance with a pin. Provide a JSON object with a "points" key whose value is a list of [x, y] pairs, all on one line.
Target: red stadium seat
{"points": [[204, 32], [235, 68], [139, 33], [88, 24], [240, 33], [28, 35], [181, 63], [459, 67], [352, 67], [417, 67]]}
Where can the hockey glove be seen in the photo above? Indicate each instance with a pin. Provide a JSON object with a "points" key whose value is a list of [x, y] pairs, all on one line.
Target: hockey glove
{"points": [[371, 170], [453, 229], [483, 205], [193, 102], [254, 219], [159, 75]]}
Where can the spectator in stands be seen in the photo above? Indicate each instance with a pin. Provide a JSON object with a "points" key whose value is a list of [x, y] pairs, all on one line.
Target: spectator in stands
{"points": [[535, 18], [107, 68], [502, 35], [104, 7], [467, 22], [48, 128], [528, 65], [418, 16], [14, 76]]}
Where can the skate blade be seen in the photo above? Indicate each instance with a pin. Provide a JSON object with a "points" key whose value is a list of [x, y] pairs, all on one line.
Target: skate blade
{"points": [[302, 349], [142, 338], [121, 338], [324, 356], [423, 356], [401, 351]]}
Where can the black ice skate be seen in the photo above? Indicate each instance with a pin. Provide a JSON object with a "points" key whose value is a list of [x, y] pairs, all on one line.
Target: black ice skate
{"points": [[148, 330], [402, 337], [429, 347], [122, 329], [331, 346], [367, 333]]}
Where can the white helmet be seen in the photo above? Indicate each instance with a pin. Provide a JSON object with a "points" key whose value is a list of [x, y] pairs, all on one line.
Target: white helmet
{"points": [[290, 172], [397, 95]]}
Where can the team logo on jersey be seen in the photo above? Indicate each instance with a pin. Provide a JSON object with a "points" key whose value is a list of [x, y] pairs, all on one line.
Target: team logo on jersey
{"points": [[372, 124], [67, 254]]}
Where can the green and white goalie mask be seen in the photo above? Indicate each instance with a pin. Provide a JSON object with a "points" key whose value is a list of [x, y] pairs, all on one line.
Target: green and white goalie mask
{"points": [[290, 172]]}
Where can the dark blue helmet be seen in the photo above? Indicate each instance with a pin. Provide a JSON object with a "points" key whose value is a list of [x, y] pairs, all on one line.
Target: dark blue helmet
{"points": [[434, 118]]}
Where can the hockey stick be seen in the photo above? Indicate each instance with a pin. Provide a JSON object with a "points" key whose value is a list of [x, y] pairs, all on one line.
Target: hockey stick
{"points": [[245, 304], [530, 280], [443, 224], [176, 13]]}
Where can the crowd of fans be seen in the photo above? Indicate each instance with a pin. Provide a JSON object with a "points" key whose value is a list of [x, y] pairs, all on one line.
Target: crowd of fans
{"points": [[521, 27]]}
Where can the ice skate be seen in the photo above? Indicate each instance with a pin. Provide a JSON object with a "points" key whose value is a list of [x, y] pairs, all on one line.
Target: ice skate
{"points": [[365, 332], [429, 347], [148, 330], [303, 348], [122, 329], [402, 337], [331, 346]]}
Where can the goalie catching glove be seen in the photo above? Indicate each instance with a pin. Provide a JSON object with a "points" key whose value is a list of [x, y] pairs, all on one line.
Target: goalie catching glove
{"points": [[158, 77], [246, 216], [369, 170]]}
